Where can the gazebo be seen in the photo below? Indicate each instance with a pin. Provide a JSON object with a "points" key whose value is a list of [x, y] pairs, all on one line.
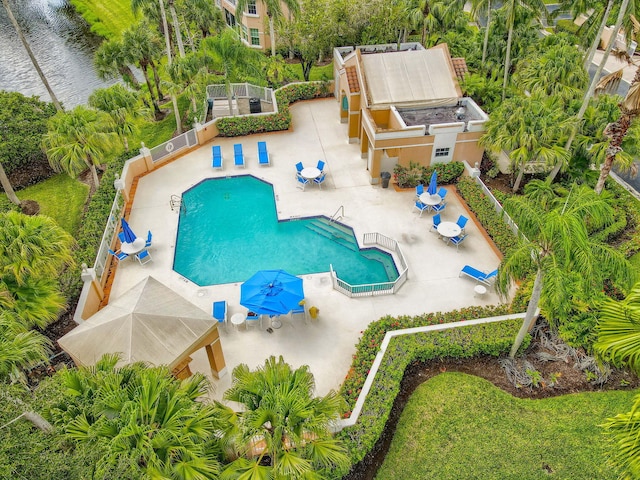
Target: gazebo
{"points": [[150, 323]]}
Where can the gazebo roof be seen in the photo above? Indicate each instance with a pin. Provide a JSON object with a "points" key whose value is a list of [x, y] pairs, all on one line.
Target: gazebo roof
{"points": [[150, 323]]}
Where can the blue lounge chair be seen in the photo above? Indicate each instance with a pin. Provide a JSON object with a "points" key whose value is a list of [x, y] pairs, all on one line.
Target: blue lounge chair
{"points": [[219, 312], [462, 221], [302, 182], [119, 255], [422, 206], [419, 189], [436, 221], [442, 192], [318, 180], [440, 207], [238, 156], [121, 237], [147, 242], [457, 240], [143, 257], [263, 154], [216, 153], [478, 275], [320, 165]]}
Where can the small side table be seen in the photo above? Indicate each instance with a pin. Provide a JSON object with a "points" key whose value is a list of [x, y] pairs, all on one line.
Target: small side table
{"points": [[479, 290], [238, 319]]}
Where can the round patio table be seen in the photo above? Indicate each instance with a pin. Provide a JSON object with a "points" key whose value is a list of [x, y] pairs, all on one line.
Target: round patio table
{"points": [[237, 319], [449, 229], [431, 200], [134, 247], [310, 173]]}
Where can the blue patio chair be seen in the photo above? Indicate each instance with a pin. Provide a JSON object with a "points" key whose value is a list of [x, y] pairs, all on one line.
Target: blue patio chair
{"points": [[299, 166], [219, 312], [121, 237], [457, 240], [253, 318], [147, 242], [421, 206], [442, 192], [462, 221], [440, 207], [419, 190], [320, 165], [436, 221], [478, 275], [299, 310], [318, 180], [119, 255], [263, 154], [216, 154], [302, 182], [238, 156], [143, 257]]}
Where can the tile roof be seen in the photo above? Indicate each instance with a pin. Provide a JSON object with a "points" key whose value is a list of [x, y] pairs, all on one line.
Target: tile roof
{"points": [[460, 67], [352, 78]]}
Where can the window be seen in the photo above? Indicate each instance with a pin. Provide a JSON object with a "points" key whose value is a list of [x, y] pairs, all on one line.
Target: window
{"points": [[251, 7], [245, 35], [255, 36], [229, 18], [442, 152]]}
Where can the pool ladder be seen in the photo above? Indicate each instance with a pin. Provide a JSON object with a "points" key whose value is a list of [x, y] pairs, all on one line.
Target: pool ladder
{"points": [[335, 217], [176, 204]]}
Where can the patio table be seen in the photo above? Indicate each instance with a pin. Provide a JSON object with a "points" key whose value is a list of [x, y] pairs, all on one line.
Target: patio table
{"points": [[310, 173], [431, 200], [134, 247], [449, 229]]}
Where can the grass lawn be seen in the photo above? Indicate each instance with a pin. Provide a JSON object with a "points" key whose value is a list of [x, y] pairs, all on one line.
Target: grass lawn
{"points": [[107, 19], [461, 426], [61, 198], [317, 73]]}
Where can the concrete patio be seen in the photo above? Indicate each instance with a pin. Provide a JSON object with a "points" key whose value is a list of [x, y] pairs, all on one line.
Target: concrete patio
{"points": [[328, 343]]}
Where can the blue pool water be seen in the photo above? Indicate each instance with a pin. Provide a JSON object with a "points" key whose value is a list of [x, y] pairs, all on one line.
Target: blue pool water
{"points": [[228, 230]]}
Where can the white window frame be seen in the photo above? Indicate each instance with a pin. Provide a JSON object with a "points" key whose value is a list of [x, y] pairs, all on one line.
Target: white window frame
{"points": [[442, 152]]}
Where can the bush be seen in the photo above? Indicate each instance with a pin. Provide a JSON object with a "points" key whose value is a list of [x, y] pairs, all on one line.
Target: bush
{"points": [[415, 174], [281, 120], [488, 339]]}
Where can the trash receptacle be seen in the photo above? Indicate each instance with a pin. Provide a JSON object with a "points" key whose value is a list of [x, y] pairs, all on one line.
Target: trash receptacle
{"points": [[385, 176], [254, 105]]}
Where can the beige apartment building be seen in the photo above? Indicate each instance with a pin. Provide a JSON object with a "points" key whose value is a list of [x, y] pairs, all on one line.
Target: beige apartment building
{"points": [[404, 104], [253, 25]]}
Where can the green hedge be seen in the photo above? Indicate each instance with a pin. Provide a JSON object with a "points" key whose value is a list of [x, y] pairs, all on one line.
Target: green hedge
{"points": [[415, 174], [489, 339], [281, 120], [484, 210]]}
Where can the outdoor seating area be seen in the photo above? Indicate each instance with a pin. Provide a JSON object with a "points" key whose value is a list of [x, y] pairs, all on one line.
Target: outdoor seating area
{"points": [[132, 246], [306, 175]]}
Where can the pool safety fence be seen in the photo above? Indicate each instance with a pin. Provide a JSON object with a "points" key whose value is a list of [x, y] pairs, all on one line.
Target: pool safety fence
{"points": [[113, 224], [373, 289], [173, 146]]}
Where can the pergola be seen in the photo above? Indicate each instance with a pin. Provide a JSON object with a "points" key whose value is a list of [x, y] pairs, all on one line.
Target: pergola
{"points": [[150, 323]]}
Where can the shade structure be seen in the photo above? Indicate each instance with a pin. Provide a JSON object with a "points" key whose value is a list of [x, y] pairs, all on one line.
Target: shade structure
{"points": [[129, 236], [271, 292], [432, 189], [149, 323]]}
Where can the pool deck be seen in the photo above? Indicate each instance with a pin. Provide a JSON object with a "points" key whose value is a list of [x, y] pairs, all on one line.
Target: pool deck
{"points": [[327, 344]]}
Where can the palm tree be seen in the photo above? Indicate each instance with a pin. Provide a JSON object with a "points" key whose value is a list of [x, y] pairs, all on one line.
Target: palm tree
{"points": [[19, 348], [536, 7], [204, 16], [142, 417], [529, 129], [32, 57], [232, 57], [275, 13], [555, 244], [280, 409], [617, 131], [432, 15], [79, 139], [478, 8], [7, 187], [111, 59], [122, 105], [623, 431]]}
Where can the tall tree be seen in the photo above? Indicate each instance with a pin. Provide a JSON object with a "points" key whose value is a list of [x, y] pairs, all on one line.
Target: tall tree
{"points": [[111, 60], [204, 16], [122, 105], [32, 57], [478, 9], [140, 417], [78, 140], [280, 409], [528, 129], [228, 54], [275, 13], [556, 245]]}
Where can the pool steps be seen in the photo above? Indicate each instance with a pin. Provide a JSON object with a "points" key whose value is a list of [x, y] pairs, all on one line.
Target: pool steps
{"points": [[339, 234]]}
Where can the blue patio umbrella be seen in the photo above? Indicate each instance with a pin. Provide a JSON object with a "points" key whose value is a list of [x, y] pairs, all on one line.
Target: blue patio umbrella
{"points": [[129, 236], [271, 292], [433, 183]]}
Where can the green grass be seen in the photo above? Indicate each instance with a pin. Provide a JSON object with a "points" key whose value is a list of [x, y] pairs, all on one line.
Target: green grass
{"points": [[61, 198], [460, 426], [316, 72], [107, 19]]}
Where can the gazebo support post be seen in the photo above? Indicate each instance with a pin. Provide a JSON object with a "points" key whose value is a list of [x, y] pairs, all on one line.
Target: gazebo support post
{"points": [[216, 358]]}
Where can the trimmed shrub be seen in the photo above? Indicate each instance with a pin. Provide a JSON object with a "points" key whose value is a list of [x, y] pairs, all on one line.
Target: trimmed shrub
{"points": [[415, 174]]}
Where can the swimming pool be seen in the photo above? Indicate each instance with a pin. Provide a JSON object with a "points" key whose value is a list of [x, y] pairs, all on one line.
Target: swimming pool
{"points": [[229, 229]]}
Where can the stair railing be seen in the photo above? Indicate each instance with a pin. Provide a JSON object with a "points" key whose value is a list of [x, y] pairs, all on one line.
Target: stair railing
{"points": [[335, 217]]}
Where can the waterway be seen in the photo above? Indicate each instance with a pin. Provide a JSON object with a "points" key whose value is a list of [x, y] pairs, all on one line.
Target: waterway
{"points": [[61, 42]]}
